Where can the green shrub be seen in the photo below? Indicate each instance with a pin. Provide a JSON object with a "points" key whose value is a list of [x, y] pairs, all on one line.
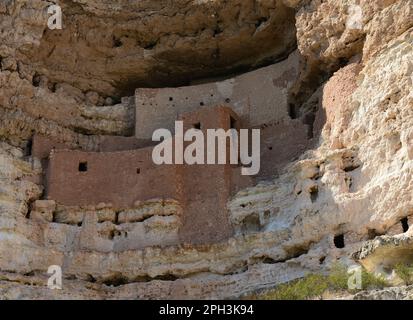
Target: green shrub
{"points": [[312, 285], [371, 281], [338, 277], [315, 285], [405, 272]]}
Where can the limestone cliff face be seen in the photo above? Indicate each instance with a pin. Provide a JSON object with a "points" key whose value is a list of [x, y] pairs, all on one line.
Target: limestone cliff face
{"points": [[354, 92]]}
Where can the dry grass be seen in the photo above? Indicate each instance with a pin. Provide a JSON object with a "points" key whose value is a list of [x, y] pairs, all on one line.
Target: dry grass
{"points": [[316, 286]]}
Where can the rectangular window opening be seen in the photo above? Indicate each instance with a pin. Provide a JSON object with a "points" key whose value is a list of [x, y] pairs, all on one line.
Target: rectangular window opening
{"points": [[233, 123], [83, 166]]}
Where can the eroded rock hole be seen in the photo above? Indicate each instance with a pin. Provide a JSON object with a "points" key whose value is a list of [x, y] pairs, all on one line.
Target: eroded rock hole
{"points": [[339, 241], [166, 277], [264, 260], [351, 167], [115, 281], [90, 278], [52, 87], [150, 45], [268, 260], [309, 120], [372, 233], [36, 80], [113, 234], [251, 224], [217, 31], [405, 224], [261, 21], [117, 218], [292, 112], [314, 194], [117, 42], [28, 148], [322, 259], [296, 251]]}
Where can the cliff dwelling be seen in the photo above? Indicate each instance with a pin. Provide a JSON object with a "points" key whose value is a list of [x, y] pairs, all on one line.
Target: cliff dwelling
{"points": [[122, 174]]}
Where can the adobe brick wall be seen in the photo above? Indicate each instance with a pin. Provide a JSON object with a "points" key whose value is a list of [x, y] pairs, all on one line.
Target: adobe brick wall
{"points": [[280, 144], [207, 191], [116, 143], [42, 146], [257, 97], [207, 188], [119, 178]]}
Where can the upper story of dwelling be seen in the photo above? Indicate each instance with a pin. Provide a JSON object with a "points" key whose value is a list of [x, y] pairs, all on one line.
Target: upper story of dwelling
{"points": [[257, 97]]}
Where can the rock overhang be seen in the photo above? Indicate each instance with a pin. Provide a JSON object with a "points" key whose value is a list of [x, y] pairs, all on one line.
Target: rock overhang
{"points": [[114, 48]]}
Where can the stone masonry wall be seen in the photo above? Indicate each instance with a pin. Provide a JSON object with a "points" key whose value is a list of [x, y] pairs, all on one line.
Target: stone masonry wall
{"points": [[119, 178], [207, 188], [257, 97], [42, 146]]}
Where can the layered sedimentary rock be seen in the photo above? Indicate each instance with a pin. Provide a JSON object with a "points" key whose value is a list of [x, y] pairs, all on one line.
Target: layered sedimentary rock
{"points": [[113, 48], [348, 198]]}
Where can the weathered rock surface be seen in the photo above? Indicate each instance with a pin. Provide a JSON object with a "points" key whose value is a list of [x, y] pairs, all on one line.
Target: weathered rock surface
{"points": [[356, 182], [112, 48], [394, 293]]}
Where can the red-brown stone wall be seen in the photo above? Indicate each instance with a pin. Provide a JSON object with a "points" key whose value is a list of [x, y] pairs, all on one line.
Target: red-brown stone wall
{"points": [[207, 188], [280, 144], [42, 146], [119, 178]]}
